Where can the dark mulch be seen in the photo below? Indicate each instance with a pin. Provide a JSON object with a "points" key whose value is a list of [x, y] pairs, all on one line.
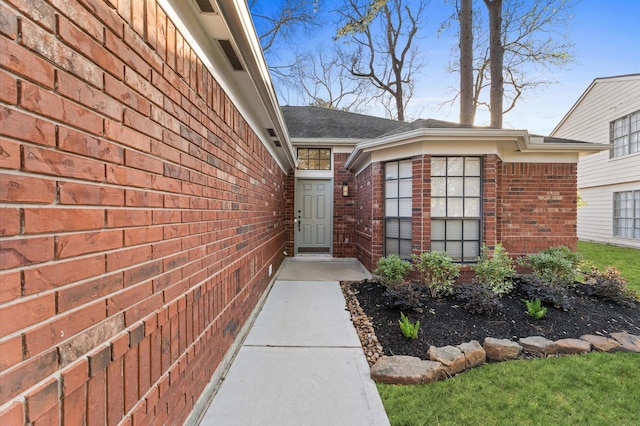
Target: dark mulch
{"points": [[444, 322]]}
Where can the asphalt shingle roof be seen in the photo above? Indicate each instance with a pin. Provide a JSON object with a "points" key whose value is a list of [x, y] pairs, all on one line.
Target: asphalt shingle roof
{"points": [[317, 122], [324, 123]]}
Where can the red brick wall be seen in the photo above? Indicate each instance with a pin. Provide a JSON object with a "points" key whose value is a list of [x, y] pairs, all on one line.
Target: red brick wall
{"points": [[290, 214], [369, 215], [134, 242], [344, 209], [537, 206]]}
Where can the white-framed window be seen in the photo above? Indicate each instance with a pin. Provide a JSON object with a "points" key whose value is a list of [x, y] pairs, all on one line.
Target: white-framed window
{"points": [[397, 208], [626, 214], [456, 206], [314, 159], [625, 135]]}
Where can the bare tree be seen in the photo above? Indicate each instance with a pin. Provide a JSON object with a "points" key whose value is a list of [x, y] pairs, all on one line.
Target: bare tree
{"points": [[467, 105], [383, 53], [280, 20], [534, 40], [325, 81]]}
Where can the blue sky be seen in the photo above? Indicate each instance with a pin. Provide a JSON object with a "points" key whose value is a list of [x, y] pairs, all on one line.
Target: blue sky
{"points": [[606, 35]]}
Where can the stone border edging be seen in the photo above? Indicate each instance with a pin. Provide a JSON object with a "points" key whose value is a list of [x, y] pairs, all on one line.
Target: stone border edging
{"points": [[448, 360]]}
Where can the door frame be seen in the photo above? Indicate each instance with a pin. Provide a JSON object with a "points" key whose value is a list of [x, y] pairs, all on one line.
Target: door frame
{"points": [[329, 182]]}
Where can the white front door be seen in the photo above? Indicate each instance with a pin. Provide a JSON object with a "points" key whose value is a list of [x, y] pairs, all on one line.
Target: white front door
{"points": [[314, 216]]}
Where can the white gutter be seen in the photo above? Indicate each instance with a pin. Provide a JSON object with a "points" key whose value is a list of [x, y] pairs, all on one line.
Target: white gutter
{"points": [[524, 141]]}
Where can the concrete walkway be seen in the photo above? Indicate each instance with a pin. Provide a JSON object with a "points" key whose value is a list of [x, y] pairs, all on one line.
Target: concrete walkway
{"points": [[301, 362]]}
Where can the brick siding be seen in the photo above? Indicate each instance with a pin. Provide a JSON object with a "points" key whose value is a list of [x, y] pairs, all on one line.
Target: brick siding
{"points": [[537, 206], [344, 209], [139, 213]]}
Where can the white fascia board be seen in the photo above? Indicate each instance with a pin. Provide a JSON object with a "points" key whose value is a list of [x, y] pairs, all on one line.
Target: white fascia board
{"points": [[324, 142], [537, 144], [237, 23], [432, 136], [510, 145]]}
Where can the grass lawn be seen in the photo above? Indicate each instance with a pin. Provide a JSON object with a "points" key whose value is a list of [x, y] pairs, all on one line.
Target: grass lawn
{"points": [[596, 389], [627, 260]]}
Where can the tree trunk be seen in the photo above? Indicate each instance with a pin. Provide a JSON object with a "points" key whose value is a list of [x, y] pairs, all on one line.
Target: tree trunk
{"points": [[496, 54], [467, 107], [400, 102]]}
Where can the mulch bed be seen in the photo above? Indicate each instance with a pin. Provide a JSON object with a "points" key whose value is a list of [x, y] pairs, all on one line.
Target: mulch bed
{"points": [[444, 322]]}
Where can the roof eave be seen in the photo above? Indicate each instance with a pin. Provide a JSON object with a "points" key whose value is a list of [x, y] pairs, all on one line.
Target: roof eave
{"points": [[243, 31], [250, 88], [434, 135], [525, 142]]}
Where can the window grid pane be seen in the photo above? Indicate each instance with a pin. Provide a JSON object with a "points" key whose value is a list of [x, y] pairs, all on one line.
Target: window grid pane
{"points": [[625, 135], [398, 208], [314, 159], [626, 214], [456, 206]]}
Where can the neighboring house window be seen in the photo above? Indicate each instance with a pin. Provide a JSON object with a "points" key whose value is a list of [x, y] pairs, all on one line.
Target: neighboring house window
{"points": [[455, 206], [626, 214], [397, 208], [314, 159], [625, 135]]}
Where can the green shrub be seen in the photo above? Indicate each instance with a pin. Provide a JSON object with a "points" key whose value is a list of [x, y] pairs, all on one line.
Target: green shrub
{"points": [[409, 330], [555, 265], [392, 270], [535, 308], [438, 272], [608, 285], [496, 271]]}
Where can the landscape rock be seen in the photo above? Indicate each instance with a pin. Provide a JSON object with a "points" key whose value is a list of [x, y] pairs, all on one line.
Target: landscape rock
{"points": [[501, 349], [538, 345], [628, 342], [573, 346], [450, 357], [474, 354], [362, 323], [406, 370], [601, 343]]}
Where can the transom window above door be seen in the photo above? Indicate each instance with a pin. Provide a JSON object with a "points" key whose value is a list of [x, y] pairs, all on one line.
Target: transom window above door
{"points": [[314, 159]]}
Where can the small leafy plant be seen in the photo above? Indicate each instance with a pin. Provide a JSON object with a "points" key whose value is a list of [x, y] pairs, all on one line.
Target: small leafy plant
{"points": [[495, 271], [409, 330], [555, 265], [438, 272], [535, 308], [392, 270]]}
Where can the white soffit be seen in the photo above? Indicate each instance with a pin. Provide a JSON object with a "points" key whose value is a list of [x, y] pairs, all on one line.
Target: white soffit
{"points": [[250, 90]]}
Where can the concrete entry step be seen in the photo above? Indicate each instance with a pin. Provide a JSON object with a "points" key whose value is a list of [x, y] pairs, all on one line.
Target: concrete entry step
{"points": [[322, 268]]}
